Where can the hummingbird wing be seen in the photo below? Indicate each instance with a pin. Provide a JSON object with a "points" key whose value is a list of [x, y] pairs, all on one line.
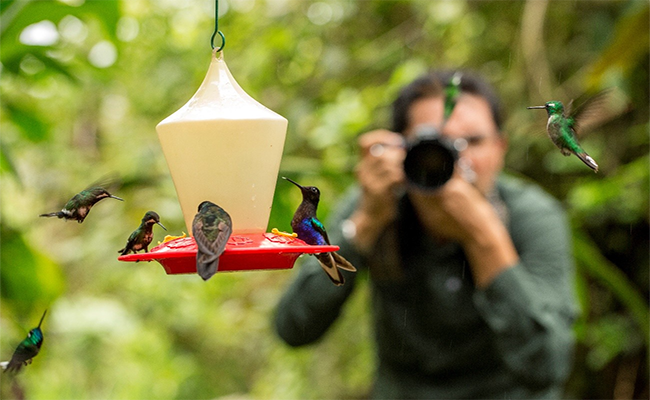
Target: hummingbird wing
{"points": [[134, 238], [320, 228], [111, 182], [597, 110], [24, 352], [337, 260], [207, 257]]}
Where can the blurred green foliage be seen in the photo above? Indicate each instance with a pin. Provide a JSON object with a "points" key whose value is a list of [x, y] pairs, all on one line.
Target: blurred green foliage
{"points": [[82, 93]]}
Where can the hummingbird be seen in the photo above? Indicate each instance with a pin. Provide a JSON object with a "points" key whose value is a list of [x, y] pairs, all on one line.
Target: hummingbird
{"points": [[26, 350], [452, 92], [211, 229], [78, 207], [564, 126], [312, 231], [142, 237]]}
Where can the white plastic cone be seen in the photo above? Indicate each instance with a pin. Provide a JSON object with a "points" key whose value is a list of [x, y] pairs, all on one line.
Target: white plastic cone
{"points": [[225, 147]]}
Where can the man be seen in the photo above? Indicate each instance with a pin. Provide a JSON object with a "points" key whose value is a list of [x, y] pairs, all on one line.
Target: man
{"points": [[472, 284]]}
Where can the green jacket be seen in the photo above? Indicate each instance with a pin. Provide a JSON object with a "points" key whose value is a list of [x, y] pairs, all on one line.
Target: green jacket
{"points": [[437, 335]]}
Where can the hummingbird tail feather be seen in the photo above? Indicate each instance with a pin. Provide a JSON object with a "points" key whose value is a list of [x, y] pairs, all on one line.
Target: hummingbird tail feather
{"points": [[206, 265], [585, 158], [11, 366], [342, 263], [326, 261], [52, 214]]}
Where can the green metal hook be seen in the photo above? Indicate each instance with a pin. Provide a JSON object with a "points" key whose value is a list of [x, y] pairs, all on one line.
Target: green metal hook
{"points": [[223, 41], [216, 29]]}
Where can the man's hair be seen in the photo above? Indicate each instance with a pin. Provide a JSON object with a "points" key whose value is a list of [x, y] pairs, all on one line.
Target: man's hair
{"points": [[432, 85]]}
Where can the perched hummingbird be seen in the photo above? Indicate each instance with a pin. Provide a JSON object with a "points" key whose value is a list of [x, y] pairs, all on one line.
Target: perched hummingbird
{"points": [[78, 207], [312, 231], [565, 126], [26, 350], [211, 229], [142, 237]]}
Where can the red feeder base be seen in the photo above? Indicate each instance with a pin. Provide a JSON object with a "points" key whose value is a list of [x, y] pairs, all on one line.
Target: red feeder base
{"points": [[243, 253]]}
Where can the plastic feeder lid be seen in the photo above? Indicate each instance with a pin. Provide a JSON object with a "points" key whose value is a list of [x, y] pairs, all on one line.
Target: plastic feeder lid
{"points": [[257, 251]]}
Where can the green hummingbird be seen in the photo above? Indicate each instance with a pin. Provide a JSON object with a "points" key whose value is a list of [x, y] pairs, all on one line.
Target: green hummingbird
{"points": [[452, 92], [565, 126], [211, 229], [78, 207], [143, 235], [26, 350]]}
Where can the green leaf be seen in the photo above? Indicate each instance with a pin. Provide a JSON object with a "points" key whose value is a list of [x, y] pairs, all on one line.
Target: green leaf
{"points": [[34, 128], [630, 43], [107, 12], [593, 263], [6, 160], [29, 278]]}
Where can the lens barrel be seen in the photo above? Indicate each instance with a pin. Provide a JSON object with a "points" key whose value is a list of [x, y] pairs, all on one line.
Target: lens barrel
{"points": [[430, 159]]}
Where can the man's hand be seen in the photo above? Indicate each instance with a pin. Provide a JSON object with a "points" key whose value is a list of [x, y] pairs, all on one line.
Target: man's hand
{"points": [[380, 171], [459, 212], [380, 174]]}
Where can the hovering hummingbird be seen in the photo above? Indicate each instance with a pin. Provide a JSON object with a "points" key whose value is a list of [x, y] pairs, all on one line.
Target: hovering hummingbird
{"points": [[26, 350], [78, 207], [312, 231], [211, 229], [142, 237], [564, 126], [452, 92]]}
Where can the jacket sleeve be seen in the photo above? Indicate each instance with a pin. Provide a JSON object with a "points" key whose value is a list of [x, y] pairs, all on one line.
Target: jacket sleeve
{"points": [[312, 303], [531, 307]]}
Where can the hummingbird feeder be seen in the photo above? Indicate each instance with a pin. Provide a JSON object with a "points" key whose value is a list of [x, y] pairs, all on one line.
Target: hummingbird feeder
{"points": [[225, 147]]}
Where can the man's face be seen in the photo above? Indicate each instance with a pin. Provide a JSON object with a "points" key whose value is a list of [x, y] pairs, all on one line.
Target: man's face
{"points": [[472, 121]]}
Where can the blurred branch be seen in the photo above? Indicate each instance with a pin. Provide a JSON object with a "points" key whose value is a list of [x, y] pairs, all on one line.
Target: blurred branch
{"points": [[7, 163], [592, 262], [532, 45], [11, 11], [630, 43]]}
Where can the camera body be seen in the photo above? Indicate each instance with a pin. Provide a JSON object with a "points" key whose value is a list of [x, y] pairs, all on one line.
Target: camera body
{"points": [[430, 159]]}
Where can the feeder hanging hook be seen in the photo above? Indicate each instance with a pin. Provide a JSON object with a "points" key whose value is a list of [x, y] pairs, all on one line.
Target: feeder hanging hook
{"points": [[216, 29]]}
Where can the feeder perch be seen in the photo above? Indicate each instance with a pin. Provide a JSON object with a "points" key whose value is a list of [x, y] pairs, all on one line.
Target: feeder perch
{"points": [[265, 251], [225, 147]]}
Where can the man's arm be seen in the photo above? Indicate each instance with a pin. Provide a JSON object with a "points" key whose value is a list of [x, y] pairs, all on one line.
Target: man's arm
{"points": [[523, 277], [459, 212], [531, 306]]}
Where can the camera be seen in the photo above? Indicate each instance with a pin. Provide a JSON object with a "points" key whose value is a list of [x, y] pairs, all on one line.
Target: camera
{"points": [[430, 159]]}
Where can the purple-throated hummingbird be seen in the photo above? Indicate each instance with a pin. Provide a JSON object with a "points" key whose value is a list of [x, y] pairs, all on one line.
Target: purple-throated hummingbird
{"points": [[312, 231]]}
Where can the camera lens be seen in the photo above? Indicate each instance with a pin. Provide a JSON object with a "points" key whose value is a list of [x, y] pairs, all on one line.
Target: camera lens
{"points": [[429, 161]]}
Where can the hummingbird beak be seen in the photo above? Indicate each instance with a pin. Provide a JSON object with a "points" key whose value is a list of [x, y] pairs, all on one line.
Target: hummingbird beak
{"points": [[161, 225], [294, 182], [43, 317], [116, 198], [536, 108]]}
